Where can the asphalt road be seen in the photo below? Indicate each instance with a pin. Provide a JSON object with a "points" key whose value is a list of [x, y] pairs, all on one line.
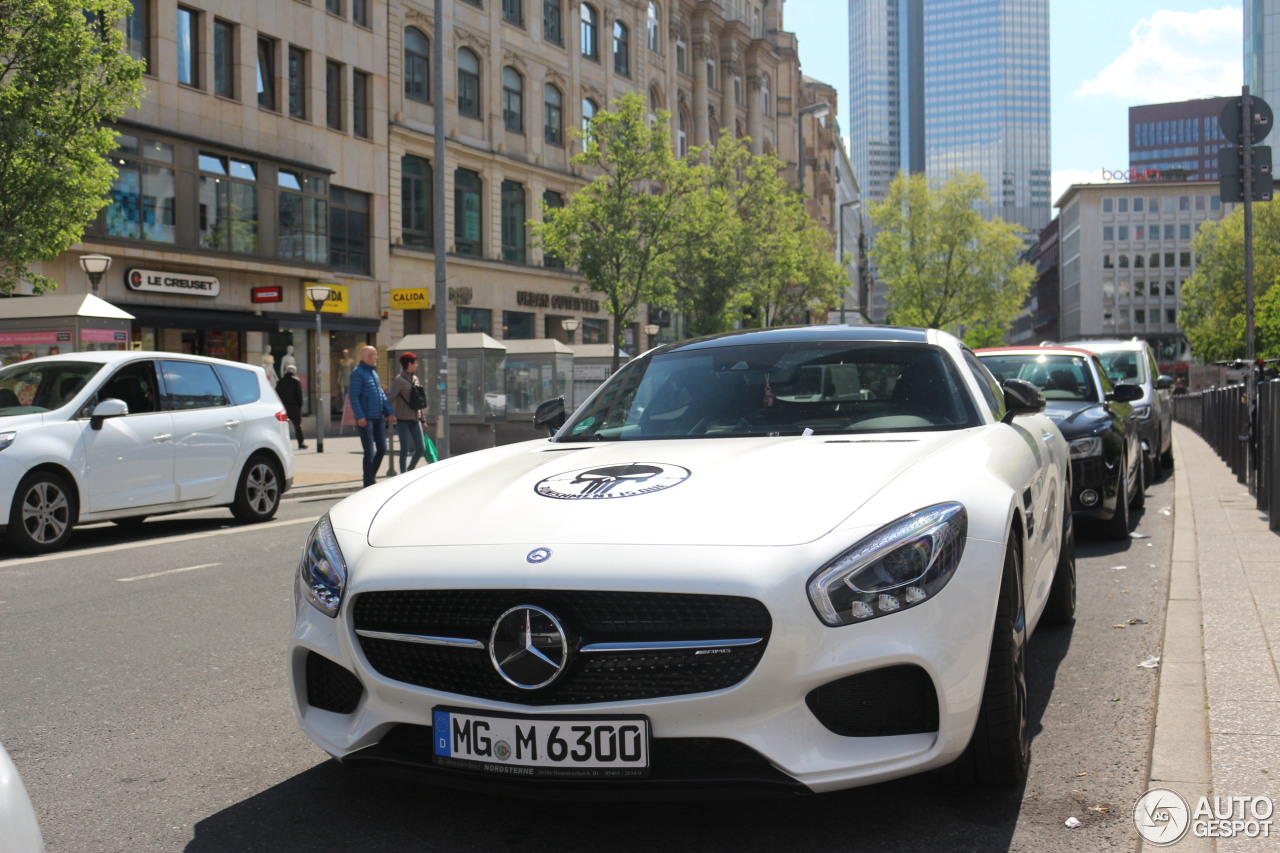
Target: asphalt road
{"points": [[142, 694]]}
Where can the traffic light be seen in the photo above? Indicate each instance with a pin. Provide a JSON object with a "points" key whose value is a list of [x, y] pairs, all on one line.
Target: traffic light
{"points": [[1231, 171]]}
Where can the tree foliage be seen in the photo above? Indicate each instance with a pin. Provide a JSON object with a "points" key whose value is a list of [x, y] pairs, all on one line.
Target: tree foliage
{"points": [[943, 265], [621, 230], [1212, 313], [63, 72]]}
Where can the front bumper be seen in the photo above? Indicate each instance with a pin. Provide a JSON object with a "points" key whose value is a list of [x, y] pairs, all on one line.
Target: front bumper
{"points": [[763, 733], [1098, 476]]}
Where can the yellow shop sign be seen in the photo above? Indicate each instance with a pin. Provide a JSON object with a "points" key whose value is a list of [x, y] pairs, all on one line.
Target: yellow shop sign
{"points": [[337, 303], [409, 298]]}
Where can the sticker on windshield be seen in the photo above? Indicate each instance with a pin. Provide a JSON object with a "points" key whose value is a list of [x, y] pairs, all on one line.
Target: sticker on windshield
{"points": [[613, 481]]}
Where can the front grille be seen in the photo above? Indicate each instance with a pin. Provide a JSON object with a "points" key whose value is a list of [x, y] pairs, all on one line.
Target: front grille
{"points": [[896, 700], [588, 617], [330, 687]]}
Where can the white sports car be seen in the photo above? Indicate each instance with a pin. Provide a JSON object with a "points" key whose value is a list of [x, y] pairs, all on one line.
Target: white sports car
{"points": [[796, 559]]}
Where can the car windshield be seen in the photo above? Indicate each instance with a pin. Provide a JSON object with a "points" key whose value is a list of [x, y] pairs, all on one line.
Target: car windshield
{"points": [[42, 386], [777, 389], [1124, 366], [1058, 376]]}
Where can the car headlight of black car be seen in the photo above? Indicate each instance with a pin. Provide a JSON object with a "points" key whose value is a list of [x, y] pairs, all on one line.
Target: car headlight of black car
{"points": [[1085, 448], [322, 572], [899, 566]]}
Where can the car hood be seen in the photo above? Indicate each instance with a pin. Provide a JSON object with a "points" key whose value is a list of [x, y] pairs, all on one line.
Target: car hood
{"points": [[741, 491], [26, 420], [1077, 419]]}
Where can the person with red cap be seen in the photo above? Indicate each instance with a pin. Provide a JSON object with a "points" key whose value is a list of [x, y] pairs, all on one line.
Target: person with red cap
{"points": [[408, 398]]}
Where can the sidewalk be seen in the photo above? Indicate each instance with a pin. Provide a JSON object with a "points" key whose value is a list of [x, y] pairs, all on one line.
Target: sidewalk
{"points": [[1218, 709]]}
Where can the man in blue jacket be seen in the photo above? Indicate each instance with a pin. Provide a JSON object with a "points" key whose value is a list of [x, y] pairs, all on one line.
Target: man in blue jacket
{"points": [[369, 404]]}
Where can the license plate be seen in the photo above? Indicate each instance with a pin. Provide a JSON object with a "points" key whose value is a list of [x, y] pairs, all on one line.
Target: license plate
{"points": [[560, 747]]}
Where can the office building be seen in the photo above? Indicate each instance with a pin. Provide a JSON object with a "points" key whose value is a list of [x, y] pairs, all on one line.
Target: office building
{"points": [[1176, 141]]}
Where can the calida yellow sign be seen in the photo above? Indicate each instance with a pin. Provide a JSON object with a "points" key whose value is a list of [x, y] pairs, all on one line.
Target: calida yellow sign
{"points": [[409, 298], [337, 302]]}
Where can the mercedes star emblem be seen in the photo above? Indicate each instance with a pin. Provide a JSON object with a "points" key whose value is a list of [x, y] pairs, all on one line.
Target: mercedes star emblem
{"points": [[528, 647]]}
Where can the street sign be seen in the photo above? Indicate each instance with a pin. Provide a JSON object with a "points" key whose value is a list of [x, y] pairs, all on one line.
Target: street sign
{"points": [[1230, 179], [1230, 120]]}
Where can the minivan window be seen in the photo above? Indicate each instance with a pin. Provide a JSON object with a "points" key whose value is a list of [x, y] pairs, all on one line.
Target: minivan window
{"points": [[192, 385], [241, 383], [42, 387], [135, 384]]}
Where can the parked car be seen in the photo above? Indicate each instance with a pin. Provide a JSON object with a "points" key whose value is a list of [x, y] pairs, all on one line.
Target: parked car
{"points": [[794, 560], [120, 436], [19, 829], [1132, 362], [1097, 419]]}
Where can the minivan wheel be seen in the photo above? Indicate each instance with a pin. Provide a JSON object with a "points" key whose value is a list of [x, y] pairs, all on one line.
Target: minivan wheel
{"points": [[42, 515], [259, 490]]}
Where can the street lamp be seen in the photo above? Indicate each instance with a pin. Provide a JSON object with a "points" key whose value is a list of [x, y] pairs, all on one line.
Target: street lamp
{"points": [[570, 325], [651, 331], [94, 266], [319, 294]]}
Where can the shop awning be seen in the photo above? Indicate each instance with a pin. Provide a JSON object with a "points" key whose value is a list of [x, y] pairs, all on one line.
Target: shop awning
{"points": [[212, 319], [330, 322]]}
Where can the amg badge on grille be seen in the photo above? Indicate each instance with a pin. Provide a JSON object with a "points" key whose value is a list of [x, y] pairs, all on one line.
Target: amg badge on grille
{"points": [[613, 481]]}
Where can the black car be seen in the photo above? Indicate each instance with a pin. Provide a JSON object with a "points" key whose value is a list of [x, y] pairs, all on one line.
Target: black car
{"points": [[1097, 420]]}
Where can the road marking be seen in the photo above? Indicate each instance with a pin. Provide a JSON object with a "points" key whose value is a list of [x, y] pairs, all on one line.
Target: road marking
{"points": [[167, 540], [169, 572]]}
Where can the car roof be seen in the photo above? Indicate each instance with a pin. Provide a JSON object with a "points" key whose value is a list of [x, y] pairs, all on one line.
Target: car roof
{"points": [[808, 334], [1095, 346], [110, 357], [1038, 350]]}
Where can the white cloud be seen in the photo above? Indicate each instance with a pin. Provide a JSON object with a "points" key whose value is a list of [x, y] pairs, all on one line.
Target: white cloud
{"points": [[1176, 56], [1064, 178]]}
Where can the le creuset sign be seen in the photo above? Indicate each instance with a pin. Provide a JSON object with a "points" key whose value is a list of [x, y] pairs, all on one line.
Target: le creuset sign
{"points": [[172, 282]]}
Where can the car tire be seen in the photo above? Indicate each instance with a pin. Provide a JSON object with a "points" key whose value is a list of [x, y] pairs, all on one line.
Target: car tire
{"points": [[1118, 526], [1000, 751], [1150, 466], [42, 515], [259, 490], [1060, 609], [1166, 458], [1140, 494]]}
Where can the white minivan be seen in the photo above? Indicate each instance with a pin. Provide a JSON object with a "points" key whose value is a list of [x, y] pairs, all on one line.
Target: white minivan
{"points": [[123, 435]]}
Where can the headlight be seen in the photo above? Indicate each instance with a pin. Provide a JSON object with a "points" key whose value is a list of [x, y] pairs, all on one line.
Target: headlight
{"points": [[1083, 448], [6, 438], [897, 567], [322, 573], [1143, 412]]}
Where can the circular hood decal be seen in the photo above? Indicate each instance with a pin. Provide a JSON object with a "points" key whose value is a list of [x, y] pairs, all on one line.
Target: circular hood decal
{"points": [[612, 481]]}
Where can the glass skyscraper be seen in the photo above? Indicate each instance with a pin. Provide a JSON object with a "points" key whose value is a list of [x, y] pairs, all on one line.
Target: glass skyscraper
{"points": [[944, 86], [1261, 40]]}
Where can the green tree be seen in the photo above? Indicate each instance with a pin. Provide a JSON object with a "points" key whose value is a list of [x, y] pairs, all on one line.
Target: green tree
{"points": [[1212, 313], [944, 266], [621, 230], [793, 272], [63, 72]]}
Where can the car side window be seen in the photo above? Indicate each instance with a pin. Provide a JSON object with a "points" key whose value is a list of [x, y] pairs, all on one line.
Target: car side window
{"points": [[990, 389], [135, 384], [192, 385], [241, 384]]}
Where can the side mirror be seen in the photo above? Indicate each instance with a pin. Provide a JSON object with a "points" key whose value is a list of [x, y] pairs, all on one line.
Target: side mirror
{"points": [[1021, 398], [109, 408], [1125, 393], [1164, 383], [550, 414]]}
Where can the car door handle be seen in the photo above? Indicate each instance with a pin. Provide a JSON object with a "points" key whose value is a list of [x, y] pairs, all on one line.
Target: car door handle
{"points": [[164, 436], [231, 424]]}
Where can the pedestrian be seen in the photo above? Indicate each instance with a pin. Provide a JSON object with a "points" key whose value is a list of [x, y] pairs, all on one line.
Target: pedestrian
{"points": [[369, 405], [408, 398], [289, 390]]}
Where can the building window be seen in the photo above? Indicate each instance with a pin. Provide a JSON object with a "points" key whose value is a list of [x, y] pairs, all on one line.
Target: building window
{"points": [[766, 96], [621, 49], [1138, 204], [588, 113], [513, 218], [137, 31], [467, 233], [653, 26], [517, 325], [304, 216], [224, 59], [682, 133], [360, 12], [266, 73], [1108, 205], [297, 82], [348, 230], [1122, 204], [333, 7], [711, 70], [512, 100], [416, 223], [1123, 232], [228, 204], [553, 114], [468, 83], [1184, 260], [1184, 231], [552, 30], [682, 54], [595, 331], [738, 97], [417, 65], [333, 94], [360, 103], [475, 320], [590, 32], [1108, 233], [513, 12], [188, 47], [552, 200], [142, 197]]}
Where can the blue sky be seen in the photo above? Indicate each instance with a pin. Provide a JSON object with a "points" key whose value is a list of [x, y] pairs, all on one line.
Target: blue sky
{"points": [[1105, 56]]}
